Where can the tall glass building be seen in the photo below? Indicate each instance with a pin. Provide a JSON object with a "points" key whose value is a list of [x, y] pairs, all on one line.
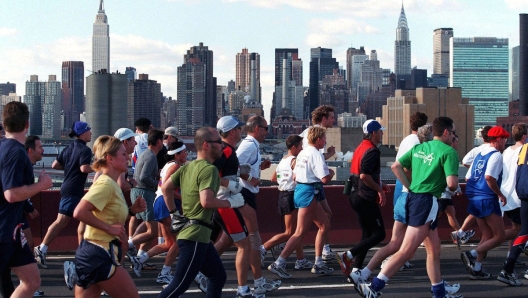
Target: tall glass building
{"points": [[479, 66]]}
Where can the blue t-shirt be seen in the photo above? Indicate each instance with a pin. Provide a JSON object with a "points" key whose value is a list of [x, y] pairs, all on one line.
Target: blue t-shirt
{"points": [[16, 170], [72, 158], [476, 186]]}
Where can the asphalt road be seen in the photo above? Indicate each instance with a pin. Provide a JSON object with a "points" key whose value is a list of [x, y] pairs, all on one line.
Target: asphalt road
{"points": [[411, 282]]}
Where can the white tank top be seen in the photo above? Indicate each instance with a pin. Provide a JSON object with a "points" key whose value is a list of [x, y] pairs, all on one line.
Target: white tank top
{"points": [[285, 174], [163, 172]]}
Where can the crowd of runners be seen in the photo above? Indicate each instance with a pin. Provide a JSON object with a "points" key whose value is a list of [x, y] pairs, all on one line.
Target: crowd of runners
{"points": [[196, 210]]}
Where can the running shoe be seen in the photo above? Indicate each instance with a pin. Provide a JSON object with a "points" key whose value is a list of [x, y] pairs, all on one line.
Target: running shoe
{"points": [[201, 281], [164, 278], [277, 249], [344, 262], [526, 274], [481, 274], [280, 271], [267, 285], [262, 257], [323, 269], [249, 294], [468, 260], [407, 265], [356, 279], [38, 294], [465, 238], [447, 295], [456, 239], [70, 277], [136, 265], [509, 278], [149, 266], [303, 264], [329, 257], [451, 288], [40, 257], [366, 291]]}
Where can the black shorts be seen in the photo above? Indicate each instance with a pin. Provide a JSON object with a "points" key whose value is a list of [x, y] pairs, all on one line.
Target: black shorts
{"points": [[443, 203], [286, 204], [93, 263], [514, 215], [232, 222], [12, 255], [250, 198]]}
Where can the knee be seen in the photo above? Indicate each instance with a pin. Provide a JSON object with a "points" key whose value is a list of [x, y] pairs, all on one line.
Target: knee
{"points": [[255, 240]]}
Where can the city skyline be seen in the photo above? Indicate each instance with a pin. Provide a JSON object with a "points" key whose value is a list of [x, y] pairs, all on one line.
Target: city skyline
{"points": [[154, 37]]}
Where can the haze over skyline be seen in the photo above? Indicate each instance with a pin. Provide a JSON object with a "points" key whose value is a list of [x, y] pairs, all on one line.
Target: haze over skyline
{"points": [[153, 36]]}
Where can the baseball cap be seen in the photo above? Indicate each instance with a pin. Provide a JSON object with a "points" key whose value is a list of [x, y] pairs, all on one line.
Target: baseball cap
{"points": [[124, 134], [371, 126], [227, 123], [172, 131], [498, 132], [80, 127]]}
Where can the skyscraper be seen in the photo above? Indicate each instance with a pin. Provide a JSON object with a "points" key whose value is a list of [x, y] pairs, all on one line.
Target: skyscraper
{"points": [[479, 66], [6, 88], [280, 55], [515, 73], [441, 38], [191, 96], [351, 52], [44, 100], [402, 47], [101, 41], [321, 64], [144, 100], [202, 54], [131, 73], [243, 69], [72, 92], [523, 64]]}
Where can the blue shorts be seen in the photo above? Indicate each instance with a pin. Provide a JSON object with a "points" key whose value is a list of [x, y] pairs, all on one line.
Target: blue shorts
{"points": [[286, 204], [484, 208], [398, 188], [400, 214], [93, 263], [15, 256], [149, 196], [160, 208], [305, 193], [421, 208], [67, 205]]}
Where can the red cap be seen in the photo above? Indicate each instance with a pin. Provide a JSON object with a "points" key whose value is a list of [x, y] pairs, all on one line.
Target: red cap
{"points": [[498, 132]]}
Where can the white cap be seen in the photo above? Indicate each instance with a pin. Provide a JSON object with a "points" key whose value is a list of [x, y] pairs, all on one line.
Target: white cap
{"points": [[227, 123], [172, 131], [124, 134]]}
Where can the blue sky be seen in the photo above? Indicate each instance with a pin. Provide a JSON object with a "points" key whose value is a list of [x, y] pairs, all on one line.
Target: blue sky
{"points": [[36, 36]]}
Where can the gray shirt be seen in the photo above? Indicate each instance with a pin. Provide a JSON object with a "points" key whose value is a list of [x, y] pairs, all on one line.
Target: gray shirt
{"points": [[146, 173]]}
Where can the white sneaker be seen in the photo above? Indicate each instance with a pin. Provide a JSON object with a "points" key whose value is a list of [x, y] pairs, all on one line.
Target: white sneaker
{"points": [[277, 249], [280, 271], [303, 264], [164, 278], [201, 282], [323, 269], [70, 277], [329, 257], [451, 288], [267, 286]]}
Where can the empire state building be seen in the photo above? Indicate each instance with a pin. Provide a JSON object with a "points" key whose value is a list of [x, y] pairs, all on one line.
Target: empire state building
{"points": [[101, 41]]}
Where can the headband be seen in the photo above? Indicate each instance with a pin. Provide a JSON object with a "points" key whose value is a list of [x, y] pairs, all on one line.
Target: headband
{"points": [[177, 150]]}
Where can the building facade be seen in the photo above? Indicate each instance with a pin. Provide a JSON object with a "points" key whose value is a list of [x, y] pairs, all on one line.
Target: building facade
{"points": [[7, 88], [441, 38], [191, 97], [44, 100], [72, 92], [321, 64], [479, 66], [131, 73], [144, 100], [351, 52], [402, 47], [101, 41]]}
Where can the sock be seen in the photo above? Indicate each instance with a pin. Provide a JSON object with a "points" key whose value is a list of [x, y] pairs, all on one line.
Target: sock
{"points": [[508, 254], [259, 281], [166, 269], [130, 243], [438, 289], [461, 233], [477, 267], [130, 237], [365, 273], [318, 260], [473, 253], [349, 254], [280, 261], [243, 289], [262, 249], [377, 284], [161, 240], [326, 249], [141, 252], [43, 248], [143, 258]]}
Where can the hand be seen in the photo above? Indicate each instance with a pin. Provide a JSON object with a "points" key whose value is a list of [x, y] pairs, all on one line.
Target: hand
{"points": [[245, 169], [255, 182], [381, 198], [386, 188], [235, 187], [45, 180], [117, 230], [236, 201], [34, 214], [139, 205], [330, 151], [502, 199], [265, 164], [133, 181], [331, 172]]}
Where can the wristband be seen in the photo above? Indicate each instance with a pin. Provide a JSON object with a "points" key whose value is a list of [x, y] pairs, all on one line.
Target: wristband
{"points": [[131, 213], [249, 178], [173, 211]]}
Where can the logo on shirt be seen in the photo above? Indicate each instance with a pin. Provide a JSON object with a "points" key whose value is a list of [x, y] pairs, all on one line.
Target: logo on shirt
{"points": [[427, 158], [479, 167]]}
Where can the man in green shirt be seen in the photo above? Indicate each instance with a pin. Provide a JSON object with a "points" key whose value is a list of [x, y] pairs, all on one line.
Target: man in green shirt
{"points": [[199, 182]]}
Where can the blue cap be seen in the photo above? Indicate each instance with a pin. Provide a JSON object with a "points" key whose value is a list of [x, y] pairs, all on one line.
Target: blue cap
{"points": [[371, 126], [80, 127]]}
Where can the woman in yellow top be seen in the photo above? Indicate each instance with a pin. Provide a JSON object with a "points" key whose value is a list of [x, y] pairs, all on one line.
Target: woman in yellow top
{"points": [[104, 211]]}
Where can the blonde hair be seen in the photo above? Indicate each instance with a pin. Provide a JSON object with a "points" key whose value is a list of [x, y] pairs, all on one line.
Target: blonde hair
{"points": [[314, 133], [104, 145]]}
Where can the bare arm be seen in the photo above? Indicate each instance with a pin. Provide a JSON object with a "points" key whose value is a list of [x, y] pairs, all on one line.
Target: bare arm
{"points": [[21, 193], [369, 181], [86, 169], [492, 183], [208, 200], [57, 165], [398, 170], [452, 182], [274, 177], [328, 177], [83, 212], [123, 183]]}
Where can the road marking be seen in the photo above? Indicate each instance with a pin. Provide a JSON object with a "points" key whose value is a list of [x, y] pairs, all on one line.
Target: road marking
{"points": [[292, 287]]}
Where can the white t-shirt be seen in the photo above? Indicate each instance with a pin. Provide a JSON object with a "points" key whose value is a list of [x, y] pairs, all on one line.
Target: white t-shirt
{"points": [[407, 144], [311, 166], [509, 177], [285, 174], [141, 146], [470, 156], [304, 135], [494, 165], [162, 175], [248, 153]]}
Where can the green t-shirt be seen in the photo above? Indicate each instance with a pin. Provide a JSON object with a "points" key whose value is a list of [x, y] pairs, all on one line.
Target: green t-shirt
{"points": [[191, 179], [431, 162]]}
